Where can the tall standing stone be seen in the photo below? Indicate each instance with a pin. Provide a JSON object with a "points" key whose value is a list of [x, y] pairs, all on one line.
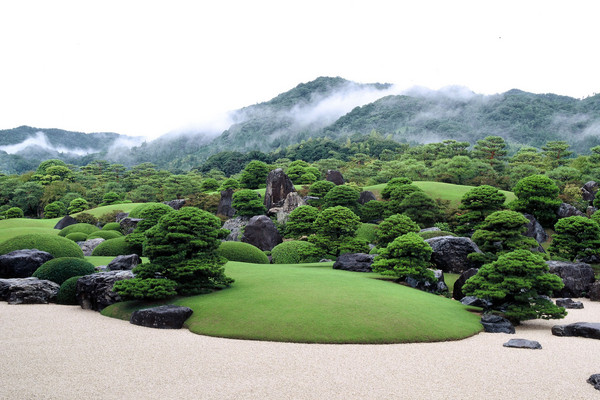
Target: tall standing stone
{"points": [[262, 233], [279, 185], [225, 207], [334, 176]]}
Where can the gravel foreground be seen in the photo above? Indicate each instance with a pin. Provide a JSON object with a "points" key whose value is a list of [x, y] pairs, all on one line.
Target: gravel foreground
{"points": [[61, 352]]}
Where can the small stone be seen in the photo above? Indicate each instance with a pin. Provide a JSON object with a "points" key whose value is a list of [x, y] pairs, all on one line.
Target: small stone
{"points": [[569, 303], [496, 324], [523, 344], [594, 380], [162, 317]]}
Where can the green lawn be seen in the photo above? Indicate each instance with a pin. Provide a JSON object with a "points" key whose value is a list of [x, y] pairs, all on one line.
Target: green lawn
{"points": [[313, 303], [99, 211]]}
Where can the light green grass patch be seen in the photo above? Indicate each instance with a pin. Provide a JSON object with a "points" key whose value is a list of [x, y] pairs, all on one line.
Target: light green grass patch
{"points": [[100, 211], [104, 260]]}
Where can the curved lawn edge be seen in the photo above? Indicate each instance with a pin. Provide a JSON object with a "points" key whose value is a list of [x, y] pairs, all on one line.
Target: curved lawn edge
{"points": [[313, 303]]}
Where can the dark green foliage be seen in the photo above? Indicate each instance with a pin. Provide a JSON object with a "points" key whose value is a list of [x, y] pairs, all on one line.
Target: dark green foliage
{"points": [[479, 202], [421, 208], [300, 222], [295, 252], [60, 269], [110, 198], [254, 175], [150, 214], [335, 232], [136, 212], [392, 184], [374, 211], [516, 283], [114, 247], [145, 289], [105, 234], [243, 252], [67, 291], [81, 227], [537, 195], [492, 149], [248, 203], [54, 210], [77, 236], [406, 256], [342, 195], [13, 212], [367, 232], [56, 245], [301, 173], [575, 238], [44, 165], [319, 189], [431, 234], [112, 226], [394, 226], [78, 205], [556, 152], [85, 218], [230, 183], [209, 185]]}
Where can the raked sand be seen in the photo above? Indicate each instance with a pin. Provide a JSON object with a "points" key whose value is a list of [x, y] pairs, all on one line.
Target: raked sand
{"points": [[59, 352]]}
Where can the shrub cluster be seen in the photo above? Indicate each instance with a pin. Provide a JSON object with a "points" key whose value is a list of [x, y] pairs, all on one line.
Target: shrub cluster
{"points": [[105, 235], [81, 227], [77, 236], [58, 246], [295, 252], [113, 247], [60, 269]]}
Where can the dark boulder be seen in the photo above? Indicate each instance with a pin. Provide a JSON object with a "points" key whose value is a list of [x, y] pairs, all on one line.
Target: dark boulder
{"points": [[534, 229], [28, 291], [357, 262], [567, 210], [88, 246], [94, 292], [457, 292], [334, 176], [439, 286], [523, 344], [225, 207], [175, 204], [128, 225], [577, 277], [121, 216], [65, 221], [594, 380], [235, 227], [124, 263], [22, 263], [569, 303], [496, 324], [365, 197], [594, 292], [589, 330], [476, 302], [450, 253], [588, 191], [261, 232], [162, 317], [279, 185]]}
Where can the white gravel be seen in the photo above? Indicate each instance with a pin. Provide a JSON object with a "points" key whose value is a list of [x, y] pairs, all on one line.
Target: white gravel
{"points": [[60, 352]]}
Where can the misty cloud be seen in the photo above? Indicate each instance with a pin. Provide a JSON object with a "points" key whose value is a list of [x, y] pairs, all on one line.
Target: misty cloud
{"points": [[40, 140]]}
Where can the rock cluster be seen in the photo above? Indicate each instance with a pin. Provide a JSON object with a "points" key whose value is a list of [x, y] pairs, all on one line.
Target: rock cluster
{"points": [[577, 277], [279, 185], [261, 232], [235, 226], [534, 229], [88, 246], [28, 291], [94, 292], [124, 263], [496, 324], [357, 262], [569, 303]]}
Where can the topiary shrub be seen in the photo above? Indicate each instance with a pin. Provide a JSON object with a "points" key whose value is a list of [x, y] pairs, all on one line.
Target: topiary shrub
{"points": [[81, 227], [150, 216], [60, 269], [300, 222], [112, 226], [295, 252], [66, 293], [243, 252], [85, 218], [109, 218], [105, 235], [136, 211], [113, 247], [56, 245], [77, 236], [145, 289], [247, 202], [13, 212], [431, 234], [394, 226]]}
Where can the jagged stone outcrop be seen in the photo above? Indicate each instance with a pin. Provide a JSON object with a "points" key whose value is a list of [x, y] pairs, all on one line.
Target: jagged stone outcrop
{"points": [[28, 291], [577, 277], [22, 263], [450, 253], [225, 207], [94, 292], [261, 232], [457, 292], [588, 191], [534, 229], [128, 225], [567, 210], [88, 246], [235, 226], [279, 185], [496, 324], [292, 201]]}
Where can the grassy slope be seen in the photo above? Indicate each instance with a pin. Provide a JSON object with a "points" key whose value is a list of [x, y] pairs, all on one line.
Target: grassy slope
{"points": [[314, 303], [99, 211]]}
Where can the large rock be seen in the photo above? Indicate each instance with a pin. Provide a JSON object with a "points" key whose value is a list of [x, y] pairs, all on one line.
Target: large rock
{"points": [[89, 245], [577, 277], [292, 201], [279, 185], [534, 229], [496, 324], [457, 292], [588, 191], [121, 216], [162, 317], [437, 287], [357, 262], [128, 225], [366, 196], [235, 226], [567, 210], [261, 232], [225, 207], [476, 302], [569, 303], [334, 176], [124, 263], [22, 263], [94, 292], [175, 204], [523, 344], [594, 292], [589, 330], [28, 291], [450, 253], [65, 221]]}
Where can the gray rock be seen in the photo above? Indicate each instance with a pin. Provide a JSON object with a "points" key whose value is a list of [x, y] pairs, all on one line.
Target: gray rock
{"points": [[325, 260], [450, 253], [89, 245], [261, 232], [279, 185], [124, 263], [357, 262], [334, 176], [475, 302], [567, 210], [235, 226], [577, 277], [175, 204], [94, 292], [224, 207], [65, 221], [366, 196], [594, 292], [128, 225], [121, 216], [292, 201], [588, 191], [457, 292], [438, 287], [101, 268], [534, 229], [523, 344], [496, 324], [589, 330], [432, 229], [162, 317], [594, 380], [569, 303], [22, 263], [28, 291]]}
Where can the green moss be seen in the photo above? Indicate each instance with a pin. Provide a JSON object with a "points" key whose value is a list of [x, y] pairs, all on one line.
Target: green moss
{"points": [[105, 235], [81, 227], [243, 252], [56, 245], [60, 269], [77, 236], [113, 247]]}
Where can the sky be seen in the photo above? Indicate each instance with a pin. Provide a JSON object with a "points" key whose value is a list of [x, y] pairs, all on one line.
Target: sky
{"points": [[146, 68]]}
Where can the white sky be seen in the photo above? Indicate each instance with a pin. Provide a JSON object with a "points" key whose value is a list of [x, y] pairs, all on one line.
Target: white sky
{"points": [[148, 67]]}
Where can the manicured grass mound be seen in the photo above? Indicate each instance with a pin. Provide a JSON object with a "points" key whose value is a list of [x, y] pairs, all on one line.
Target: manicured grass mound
{"points": [[313, 303], [56, 245], [295, 252], [112, 226], [100, 211], [243, 252], [77, 236], [60, 269], [81, 227], [113, 247], [66, 293], [105, 235]]}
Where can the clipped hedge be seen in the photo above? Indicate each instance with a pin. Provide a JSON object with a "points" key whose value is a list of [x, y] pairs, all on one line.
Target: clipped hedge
{"points": [[113, 247], [105, 235], [77, 236], [66, 293], [295, 252], [112, 226], [136, 211], [58, 246], [60, 269], [243, 252], [80, 227]]}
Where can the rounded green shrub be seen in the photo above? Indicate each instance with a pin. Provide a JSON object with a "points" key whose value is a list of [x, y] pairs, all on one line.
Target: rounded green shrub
{"points": [[85, 218], [81, 227], [113, 247], [66, 293], [105, 235], [77, 236], [112, 226], [58, 246], [295, 252], [60, 269], [136, 211], [243, 252], [14, 212]]}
